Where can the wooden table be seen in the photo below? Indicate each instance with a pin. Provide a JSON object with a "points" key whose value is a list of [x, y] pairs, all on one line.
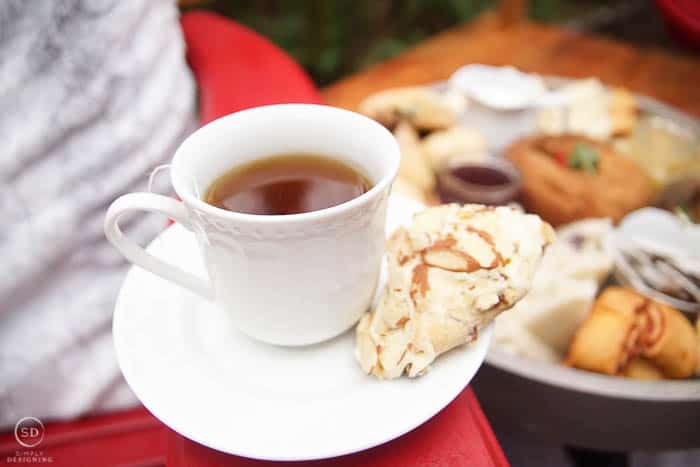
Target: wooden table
{"points": [[531, 47]]}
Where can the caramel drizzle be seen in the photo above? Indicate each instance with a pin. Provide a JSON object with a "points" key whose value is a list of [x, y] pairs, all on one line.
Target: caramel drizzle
{"points": [[419, 281], [447, 244], [401, 323], [471, 213], [485, 236], [403, 259], [419, 276]]}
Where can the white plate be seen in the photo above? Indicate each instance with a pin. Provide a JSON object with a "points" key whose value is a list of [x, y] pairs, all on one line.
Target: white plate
{"points": [[193, 370]]}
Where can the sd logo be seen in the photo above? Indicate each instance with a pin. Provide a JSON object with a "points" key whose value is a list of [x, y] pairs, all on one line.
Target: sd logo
{"points": [[29, 432]]}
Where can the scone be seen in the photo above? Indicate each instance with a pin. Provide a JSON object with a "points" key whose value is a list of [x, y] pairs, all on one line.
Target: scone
{"points": [[407, 188], [457, 143], [590, 110], [450, 274], [624, 112], [586, 111], [422, 107], [414, 167], [567, 178]]}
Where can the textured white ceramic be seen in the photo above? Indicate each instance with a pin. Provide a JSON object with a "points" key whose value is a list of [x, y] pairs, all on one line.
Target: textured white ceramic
{"points": [[192, 368], [288, 280]]}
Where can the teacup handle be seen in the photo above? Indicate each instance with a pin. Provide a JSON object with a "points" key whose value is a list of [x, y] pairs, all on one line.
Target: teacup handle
{"points": [[137, 255]]}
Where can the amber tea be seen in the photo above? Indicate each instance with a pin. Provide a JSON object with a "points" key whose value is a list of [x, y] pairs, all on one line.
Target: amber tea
{"points": [[287, 184]]}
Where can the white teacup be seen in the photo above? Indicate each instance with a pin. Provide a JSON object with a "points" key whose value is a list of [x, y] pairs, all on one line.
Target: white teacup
{"points": [[293, 279]]}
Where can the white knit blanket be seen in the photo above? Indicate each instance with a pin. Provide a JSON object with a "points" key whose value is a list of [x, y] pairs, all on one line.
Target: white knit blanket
{"points": [[93, 95]]}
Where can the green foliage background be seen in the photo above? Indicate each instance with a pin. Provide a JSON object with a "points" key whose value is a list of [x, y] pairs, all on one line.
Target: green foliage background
{"points": [[331, 38]]}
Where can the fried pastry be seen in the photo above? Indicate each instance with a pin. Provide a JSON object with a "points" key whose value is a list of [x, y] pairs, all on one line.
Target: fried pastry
{"points": [[624, 325], [450, 274], [669, 341], [567, 178], [697, 335], [641, 368], [607, 339]]}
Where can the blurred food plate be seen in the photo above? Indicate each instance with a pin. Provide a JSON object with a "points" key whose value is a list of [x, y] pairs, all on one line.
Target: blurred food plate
{"points": [[545, 398]]}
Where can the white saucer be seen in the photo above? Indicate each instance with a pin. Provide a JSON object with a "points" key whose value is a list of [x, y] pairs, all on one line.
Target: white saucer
{"points": [[193, 370]]}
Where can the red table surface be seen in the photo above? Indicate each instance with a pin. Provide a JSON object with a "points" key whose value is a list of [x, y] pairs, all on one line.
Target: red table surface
{"points": [[458, 436], [131, 438]]}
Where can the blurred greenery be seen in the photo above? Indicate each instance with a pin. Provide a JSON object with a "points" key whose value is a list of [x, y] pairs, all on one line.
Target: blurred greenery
{"points": [[332, 38]]}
